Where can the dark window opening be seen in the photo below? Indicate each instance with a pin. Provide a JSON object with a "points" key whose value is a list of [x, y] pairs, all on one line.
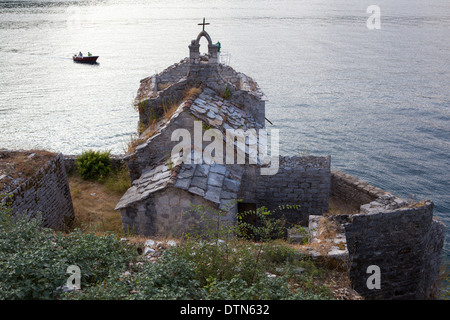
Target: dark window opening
{"points": [[247, 211]]}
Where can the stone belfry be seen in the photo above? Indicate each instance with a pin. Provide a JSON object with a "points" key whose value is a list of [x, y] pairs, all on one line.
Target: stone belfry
{"points": [[203, 69]]}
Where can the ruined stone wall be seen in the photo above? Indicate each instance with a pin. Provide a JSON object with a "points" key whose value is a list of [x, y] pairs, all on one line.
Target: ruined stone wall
{"points": [[405, 243], [303, 181], [155, 107], [159, 146], [251, 104], [46, 192], [401, 237], [351, 190]]}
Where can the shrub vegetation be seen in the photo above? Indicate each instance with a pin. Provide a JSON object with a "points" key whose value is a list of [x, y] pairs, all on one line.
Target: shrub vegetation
{"points": [[34, 260], [215, 264], [93, 165]]}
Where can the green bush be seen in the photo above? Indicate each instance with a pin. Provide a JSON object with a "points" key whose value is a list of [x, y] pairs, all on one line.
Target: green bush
{"points": [[30, 267], [278, 254], [94, 165], [34, 260]]}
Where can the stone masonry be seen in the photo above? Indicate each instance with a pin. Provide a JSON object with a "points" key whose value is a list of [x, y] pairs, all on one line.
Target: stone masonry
{"points": [[46, 193], [298, 181], [400, 237]]}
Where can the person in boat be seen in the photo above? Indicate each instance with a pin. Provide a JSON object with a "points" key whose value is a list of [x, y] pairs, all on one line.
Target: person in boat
{"points": [[89, 54], [80, 54]]}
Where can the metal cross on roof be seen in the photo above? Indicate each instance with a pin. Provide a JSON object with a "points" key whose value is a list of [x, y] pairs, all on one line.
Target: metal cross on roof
{"points": [[203, 24]]}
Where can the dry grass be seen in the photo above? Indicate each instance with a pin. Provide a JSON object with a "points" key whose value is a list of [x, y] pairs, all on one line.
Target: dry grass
{"points": [[191, 91], [149, 131], [22, 164], [94, 204], [164, 86]]}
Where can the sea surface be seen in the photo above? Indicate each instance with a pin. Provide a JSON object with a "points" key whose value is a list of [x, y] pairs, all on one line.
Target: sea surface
{"points": [[376, 100]]}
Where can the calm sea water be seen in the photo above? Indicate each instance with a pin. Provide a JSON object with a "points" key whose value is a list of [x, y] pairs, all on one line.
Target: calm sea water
{"points": [[377, 101]]}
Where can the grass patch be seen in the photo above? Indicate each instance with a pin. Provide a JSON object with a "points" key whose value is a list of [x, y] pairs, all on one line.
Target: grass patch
{"points": [[94, 201], [118, 182], [193, 91]]}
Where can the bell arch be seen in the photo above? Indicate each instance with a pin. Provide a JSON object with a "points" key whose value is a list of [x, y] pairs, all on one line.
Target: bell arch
{"points": [[203, 34], [194, 49]]}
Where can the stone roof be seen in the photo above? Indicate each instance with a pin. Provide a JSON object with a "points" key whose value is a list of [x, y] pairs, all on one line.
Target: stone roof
{"points": [[217, 183], [214, 182], [216, 113], [221, 113], [149, 182]]}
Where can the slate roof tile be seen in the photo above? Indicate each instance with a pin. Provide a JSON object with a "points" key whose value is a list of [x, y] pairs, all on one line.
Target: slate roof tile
{"points": [[216, 183]]}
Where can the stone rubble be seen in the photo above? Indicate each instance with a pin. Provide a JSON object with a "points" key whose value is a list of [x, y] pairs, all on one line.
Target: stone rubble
{"points": [[385, 203], [329, 248]]}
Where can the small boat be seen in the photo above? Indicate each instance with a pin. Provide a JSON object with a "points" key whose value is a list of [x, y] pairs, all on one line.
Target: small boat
{"points": [[85, 59]]}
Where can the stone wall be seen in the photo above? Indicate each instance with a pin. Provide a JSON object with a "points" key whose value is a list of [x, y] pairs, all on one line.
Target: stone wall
{"points": [[230, 75], [174, 73], [303, 181], [433, 259], [153, 108], [165, 213], [351, 190], [405, 243], [401, 237], [70, 163], [46, 192]]}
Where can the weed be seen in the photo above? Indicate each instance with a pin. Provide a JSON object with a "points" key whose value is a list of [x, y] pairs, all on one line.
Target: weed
{"points": [[94, 165], [118, 181], [227, 94]]}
